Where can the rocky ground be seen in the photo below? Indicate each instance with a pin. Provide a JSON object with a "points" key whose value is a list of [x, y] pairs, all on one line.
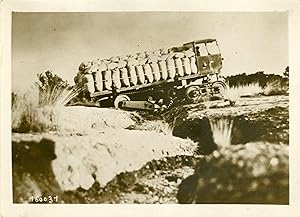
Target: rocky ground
{"points": [[201, 153]]}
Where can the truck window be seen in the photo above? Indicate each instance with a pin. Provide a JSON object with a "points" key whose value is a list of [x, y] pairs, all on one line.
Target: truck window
{"points": [[201, 49], [213, 48]]}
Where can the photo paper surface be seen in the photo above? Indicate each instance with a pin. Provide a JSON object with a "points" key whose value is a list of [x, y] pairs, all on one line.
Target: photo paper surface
{"points": [[149, 106]]}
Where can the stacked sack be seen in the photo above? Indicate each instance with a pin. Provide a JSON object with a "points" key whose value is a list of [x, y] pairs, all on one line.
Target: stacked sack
{"points": [[131, 70]]}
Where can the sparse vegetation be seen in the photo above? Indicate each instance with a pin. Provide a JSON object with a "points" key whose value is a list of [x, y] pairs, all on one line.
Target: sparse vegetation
{"points": [[235, 92], [243, 85], [276, 87], [35, 110], [53, 90], [259, 77], [221, 129], [158, 126], [267, 84], [28, 116]]}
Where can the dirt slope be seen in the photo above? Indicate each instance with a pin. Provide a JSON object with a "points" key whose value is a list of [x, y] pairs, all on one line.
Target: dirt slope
{"points": [[112, 156], [95, 152]]}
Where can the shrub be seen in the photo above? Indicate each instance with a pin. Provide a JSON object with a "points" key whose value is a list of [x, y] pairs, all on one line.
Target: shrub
{"points": [[35, 110], [235, 92], [276, 87], [28, 115], [221, 129], [54, 90], [267, 84]]}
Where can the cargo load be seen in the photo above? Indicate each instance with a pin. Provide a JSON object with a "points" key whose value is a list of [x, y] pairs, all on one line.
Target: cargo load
{"points": [[130, 71], [181, 66]]}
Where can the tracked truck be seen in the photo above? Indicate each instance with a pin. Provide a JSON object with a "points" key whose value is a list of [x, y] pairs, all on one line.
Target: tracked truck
{"points": [[155, 80]]}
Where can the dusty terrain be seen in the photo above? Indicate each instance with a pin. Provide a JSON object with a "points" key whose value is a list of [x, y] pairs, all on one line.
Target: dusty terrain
{"points": [[200, 153]]}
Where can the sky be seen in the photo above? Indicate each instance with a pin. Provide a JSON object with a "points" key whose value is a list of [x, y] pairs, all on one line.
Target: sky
{"points": [[249, 41]]}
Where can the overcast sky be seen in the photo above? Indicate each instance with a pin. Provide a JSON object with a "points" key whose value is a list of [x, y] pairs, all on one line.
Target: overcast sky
{"points": [[249, 42]]}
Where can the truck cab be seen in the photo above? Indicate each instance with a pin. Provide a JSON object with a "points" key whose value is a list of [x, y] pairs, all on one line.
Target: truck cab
{"points": [[208, 56]]}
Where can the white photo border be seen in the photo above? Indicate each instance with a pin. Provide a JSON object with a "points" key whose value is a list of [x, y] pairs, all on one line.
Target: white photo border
{"points": [[8, 209]]}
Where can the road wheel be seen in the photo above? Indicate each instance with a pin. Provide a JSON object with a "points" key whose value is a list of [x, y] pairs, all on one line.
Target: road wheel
{"points": [[119, 99], [193, 93], [218, 89]]}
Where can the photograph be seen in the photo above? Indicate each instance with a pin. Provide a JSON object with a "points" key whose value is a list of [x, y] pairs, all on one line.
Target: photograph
{"points": [[150, 107], [143, 109]]}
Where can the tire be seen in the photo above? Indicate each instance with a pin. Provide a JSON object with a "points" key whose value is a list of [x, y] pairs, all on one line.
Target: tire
{"points": [[119, 99], [218, 89], [193, 93]]}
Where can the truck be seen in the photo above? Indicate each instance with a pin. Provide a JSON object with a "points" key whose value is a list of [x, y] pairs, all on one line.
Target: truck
{"points": [[155, 80]]}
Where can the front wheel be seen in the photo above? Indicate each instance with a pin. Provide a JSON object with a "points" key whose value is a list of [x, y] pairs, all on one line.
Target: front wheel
{"points": [[218, 89]]}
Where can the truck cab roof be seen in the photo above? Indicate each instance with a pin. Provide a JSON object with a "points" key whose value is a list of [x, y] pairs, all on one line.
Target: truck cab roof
{"points": [[201, 41]]}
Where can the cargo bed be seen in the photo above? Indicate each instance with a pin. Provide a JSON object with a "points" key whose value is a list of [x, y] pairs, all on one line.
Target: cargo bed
{"points": [[140, 86]]}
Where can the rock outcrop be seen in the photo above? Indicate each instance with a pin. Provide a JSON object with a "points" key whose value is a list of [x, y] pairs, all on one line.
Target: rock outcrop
{"points": [[251, 173], [50, 164], [81, 119]]}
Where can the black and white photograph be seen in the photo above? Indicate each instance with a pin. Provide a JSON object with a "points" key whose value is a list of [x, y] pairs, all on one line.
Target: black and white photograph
{"points": [[150, 107]]}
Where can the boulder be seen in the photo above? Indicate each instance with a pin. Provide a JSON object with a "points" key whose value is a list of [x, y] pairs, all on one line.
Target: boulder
{"points": [[256, 173]]}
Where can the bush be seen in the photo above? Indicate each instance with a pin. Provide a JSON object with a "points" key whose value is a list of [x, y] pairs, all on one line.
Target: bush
{"points": [[54, 90], [255, 85], [28, 115], [267, 84], [35, 109], [276, 87], [234, 93]]}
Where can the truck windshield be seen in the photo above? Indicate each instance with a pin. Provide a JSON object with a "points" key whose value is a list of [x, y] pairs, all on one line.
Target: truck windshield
{"points": [[213, 48], [201, 49]]}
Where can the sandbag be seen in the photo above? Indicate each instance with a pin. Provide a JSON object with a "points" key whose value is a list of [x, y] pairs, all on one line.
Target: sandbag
{"points": [[179, 55], [163, 69], [106, 61], [122, 63], [153, 59], [140, 74], [132, 75], [179, 67], [141, 56], [142, 61], [99, 80], [171, 68], [148, 72], [132, 62], [112, 65], [189, 53], [124, 57], [116, 78], [193, 65], [124, 77], [134, 56], [155, 71], [164, 51], [156, 53], [148, 53], [102, 66], [89, 83], [164, 57], [93, 68], [186, 66], [107, 79], [114, 59]]}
